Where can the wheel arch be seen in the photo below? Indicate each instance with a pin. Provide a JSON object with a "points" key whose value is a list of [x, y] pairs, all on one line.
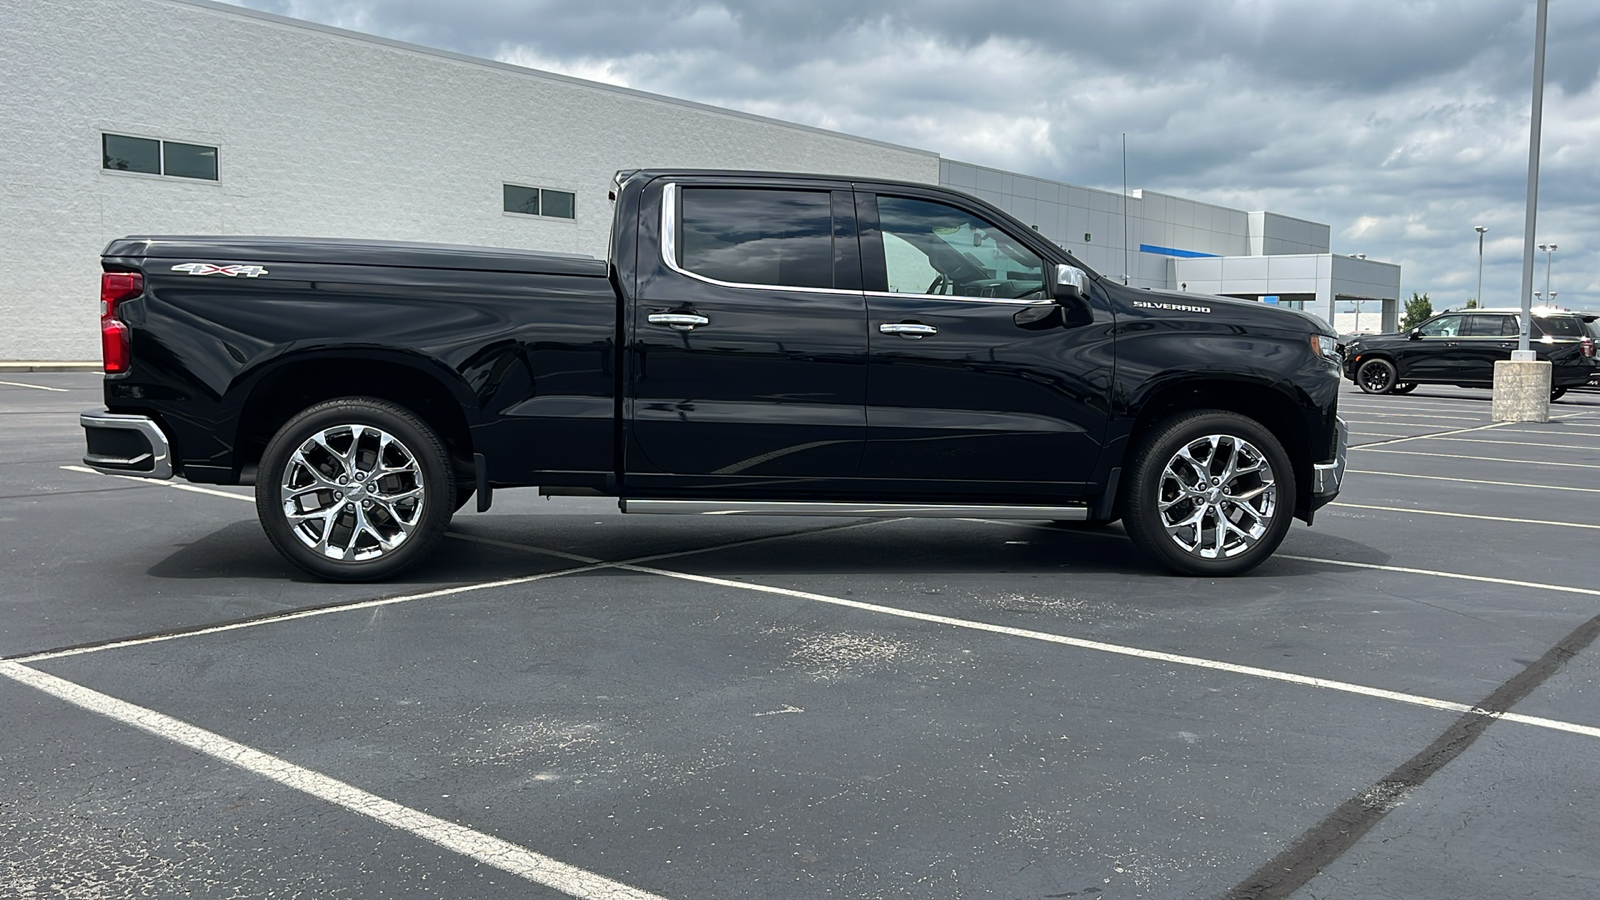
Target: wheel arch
{"points": [[270, 396], [1287, 417]]}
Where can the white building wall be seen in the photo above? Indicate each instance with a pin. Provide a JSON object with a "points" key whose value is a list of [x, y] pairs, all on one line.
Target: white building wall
{"points": [[320, 132]]}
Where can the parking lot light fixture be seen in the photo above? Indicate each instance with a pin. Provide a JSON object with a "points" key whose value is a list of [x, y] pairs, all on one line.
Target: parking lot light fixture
{"points": [[1480, 229], [1548, 250]]}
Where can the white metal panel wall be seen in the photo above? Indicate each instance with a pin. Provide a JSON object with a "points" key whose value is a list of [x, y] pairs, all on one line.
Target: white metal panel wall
{"points": [[320, 133]]}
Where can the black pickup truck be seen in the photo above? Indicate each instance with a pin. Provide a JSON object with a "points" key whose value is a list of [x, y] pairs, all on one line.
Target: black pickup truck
{"points": [[762, 344]]}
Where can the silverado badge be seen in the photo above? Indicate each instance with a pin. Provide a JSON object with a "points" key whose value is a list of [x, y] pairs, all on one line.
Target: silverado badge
{"points": [[1175, 307]]}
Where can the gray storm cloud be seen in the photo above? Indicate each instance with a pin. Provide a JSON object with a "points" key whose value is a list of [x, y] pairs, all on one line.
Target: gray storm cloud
{"points": [[1401, 124]]}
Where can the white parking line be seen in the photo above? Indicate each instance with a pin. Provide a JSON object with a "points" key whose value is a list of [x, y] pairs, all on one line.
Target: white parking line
{"points": [[1557, 432], [1349, 420], [1120, 650], [298, 614], [1516, 484], [1411, 415], [1458, 515], [475, 845], [37, 387], [1431, 434], [175, 485], [1518, 443], [1521, 462], [1347, 403], [1486, 579]]}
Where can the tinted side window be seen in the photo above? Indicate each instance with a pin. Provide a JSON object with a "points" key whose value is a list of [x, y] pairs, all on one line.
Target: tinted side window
{"points": [[931, 248], [1444, 326], [1558, 326], [1490, 326], [757, 236]]}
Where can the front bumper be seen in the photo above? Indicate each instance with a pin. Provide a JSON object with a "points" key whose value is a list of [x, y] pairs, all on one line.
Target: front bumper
{"points": [[121, 444], [1327, 476]]}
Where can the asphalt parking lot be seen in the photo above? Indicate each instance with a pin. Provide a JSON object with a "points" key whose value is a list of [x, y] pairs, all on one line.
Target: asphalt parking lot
{"points": [[1405, 702]]}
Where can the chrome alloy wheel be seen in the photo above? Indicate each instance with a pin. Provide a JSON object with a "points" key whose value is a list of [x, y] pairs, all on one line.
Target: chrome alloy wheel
{"points": [[1217, 496], [352, 492]]}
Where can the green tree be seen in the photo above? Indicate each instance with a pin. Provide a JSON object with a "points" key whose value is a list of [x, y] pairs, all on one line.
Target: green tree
{"points": [[1472, 303], [1418, 308]]}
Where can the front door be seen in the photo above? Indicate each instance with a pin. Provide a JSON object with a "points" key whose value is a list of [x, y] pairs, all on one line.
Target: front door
{"points": [[1434, 354], [979, 381], [747, 363]]}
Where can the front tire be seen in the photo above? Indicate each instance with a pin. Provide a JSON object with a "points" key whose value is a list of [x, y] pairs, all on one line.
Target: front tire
{"points": [[355, 489], [1212, 493], [1377, 376], [1557, 394], [1405, 387]]}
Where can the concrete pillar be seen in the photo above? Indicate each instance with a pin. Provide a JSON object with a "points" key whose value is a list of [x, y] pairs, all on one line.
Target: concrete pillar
{"points": [[1324, 303], [1521, 390]]}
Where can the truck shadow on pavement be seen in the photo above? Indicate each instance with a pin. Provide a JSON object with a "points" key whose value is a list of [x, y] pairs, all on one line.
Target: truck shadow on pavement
{"points": [[241, 551]]}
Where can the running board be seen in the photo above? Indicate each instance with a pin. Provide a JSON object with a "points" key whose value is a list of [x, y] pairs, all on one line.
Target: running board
{"points": [[851, 510]]}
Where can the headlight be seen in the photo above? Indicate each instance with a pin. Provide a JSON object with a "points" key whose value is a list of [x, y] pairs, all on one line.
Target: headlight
{"points": [[1325, 346]]}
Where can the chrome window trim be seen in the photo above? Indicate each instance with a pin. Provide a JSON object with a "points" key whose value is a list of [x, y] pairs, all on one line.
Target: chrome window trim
{"points": [[669, 253], [949, 297]]}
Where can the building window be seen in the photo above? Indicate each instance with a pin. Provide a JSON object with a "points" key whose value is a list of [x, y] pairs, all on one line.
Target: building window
{"points": [[121, 153], [188, 160], [531, 201], [131, 154]]}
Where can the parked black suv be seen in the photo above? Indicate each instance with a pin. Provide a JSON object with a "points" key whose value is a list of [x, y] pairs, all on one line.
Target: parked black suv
{"points": [[1461, 348]]}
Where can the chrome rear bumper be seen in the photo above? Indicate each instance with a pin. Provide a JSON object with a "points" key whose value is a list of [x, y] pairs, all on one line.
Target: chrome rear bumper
{"points": [[120, 444]]}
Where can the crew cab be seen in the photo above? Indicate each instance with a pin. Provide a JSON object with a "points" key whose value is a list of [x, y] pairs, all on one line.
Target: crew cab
{"points": [[1461, 348], [756, 344]]}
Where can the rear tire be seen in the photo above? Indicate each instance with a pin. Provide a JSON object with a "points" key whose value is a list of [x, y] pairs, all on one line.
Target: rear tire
{"points": [[1211, 493], [1557, 394], [1377, 376], [1404, 387], [355, 489]]}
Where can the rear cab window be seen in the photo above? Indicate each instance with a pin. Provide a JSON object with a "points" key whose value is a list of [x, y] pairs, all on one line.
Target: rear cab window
{"points": [[757, 236]]}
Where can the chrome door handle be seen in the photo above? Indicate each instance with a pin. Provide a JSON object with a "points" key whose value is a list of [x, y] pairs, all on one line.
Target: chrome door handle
{"points": [[678, 321], [913, 330]]}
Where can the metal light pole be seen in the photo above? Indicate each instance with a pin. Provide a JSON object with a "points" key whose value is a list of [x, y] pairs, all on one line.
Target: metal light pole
{"points": [[1524, 352], [1480, 229], [1522, 383], [1548, 250]]}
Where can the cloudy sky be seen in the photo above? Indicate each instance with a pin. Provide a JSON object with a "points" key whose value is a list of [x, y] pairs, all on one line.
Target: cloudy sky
{"points": [[1402, 124]]}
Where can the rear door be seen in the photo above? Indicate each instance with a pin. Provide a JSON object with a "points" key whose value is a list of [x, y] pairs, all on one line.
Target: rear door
{"points": [[1484, 339], [977, 383], [747, 358]]}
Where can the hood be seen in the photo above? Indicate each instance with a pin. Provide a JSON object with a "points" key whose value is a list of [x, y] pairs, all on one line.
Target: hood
{"points": [[1267, 314]]}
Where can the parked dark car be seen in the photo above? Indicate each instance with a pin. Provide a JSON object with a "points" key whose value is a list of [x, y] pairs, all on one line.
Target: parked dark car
{"points": [[757, 344], [1461, 348]]}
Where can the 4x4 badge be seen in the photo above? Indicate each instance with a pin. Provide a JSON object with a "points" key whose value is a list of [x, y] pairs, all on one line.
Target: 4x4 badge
{"points": [[198, 268]]}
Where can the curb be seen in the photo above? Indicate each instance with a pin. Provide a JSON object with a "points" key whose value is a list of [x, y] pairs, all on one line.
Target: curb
{"points": [[64, 366]]}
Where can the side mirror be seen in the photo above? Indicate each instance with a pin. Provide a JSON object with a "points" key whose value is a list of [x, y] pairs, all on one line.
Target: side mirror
{"points": [[1416, 334], [1069, 283]]}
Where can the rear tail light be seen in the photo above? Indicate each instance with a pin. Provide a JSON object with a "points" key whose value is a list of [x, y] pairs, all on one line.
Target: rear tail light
{"points": [[1586, 347], [116, 343]]}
